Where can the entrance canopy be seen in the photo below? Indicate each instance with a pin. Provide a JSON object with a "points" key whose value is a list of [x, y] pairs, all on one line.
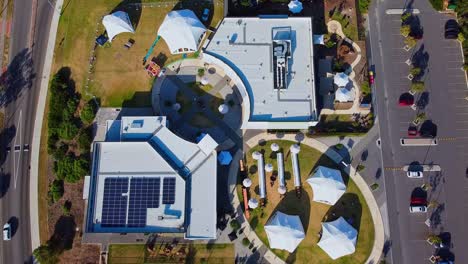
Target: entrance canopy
{"points": [[341, 79], [182, 31], [295, 6], [327, 185], [117, 23], [338, 238], [224, 158], [284, 231]]}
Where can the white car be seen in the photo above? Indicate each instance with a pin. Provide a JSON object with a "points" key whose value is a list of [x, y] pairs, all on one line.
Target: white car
{"points": [[418, 208], [414, 174], [7, 232]]}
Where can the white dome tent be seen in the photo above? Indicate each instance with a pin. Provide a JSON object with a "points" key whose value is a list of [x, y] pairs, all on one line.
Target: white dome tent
{"points": [[269, 167], [281, 190], [117, 23], [341, 79], [274, 147], [204, 80], [344, 95], [327, 185], [182, 31], [284, 231], [338, 238]]}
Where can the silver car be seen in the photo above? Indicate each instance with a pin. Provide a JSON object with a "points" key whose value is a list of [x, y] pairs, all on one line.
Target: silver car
{"points": [[7, 232], [414, 174]]}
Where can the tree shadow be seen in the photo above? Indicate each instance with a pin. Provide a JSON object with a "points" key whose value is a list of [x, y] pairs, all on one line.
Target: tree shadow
{"points": [[445, 254], [378, 173], [420, 59], [132, 8], [415, 166], [64, 233], [6, 136], [364, 155], [17, 78], [349, 207], [423, 100], [428, 129], [139, 99], [291, 204], [5, 179]]}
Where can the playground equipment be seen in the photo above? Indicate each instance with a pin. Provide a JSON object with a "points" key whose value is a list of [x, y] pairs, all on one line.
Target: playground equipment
{"points": [[153, 69]]}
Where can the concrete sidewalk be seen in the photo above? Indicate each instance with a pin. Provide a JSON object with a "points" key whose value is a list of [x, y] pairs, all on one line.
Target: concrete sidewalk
{"points": [[379, 238], [36, 139]]}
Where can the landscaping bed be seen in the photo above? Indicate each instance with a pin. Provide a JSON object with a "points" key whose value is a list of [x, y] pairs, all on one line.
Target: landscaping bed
{"points": [[351, 206], [343, 124]]}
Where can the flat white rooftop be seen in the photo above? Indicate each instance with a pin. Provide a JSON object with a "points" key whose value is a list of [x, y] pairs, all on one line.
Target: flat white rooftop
{"points": [[246, 45], [139, 185]]}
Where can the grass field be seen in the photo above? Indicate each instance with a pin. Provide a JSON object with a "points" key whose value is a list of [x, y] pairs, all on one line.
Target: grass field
{"points": [[197, 253], [118, 78], [351, 205]]}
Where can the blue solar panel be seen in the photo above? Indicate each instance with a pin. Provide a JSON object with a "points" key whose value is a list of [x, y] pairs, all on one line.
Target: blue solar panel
{"points": [[144, 193], [114, 207], [169, 190]]}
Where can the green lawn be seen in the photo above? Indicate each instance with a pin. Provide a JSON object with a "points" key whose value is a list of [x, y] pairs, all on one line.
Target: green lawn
{"points": [[349, 29], [197, 253], [351, 205], [118, 77]]}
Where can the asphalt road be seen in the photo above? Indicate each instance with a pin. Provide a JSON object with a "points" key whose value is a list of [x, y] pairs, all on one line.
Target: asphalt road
{"points": [[19, 100], [446, 87]]}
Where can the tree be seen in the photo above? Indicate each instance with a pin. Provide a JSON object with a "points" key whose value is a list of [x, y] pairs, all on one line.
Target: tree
{"points": [[61, 151], [360, 167], [417, 86], [245, 241], [45, 254], [405, 16], [201, 72], [461, 37], [85, 140], [88, 112], [66, 208], [415, 71], [405, 30], [410, 41], [68, 130], [56, 191], [434, 239], [420, 117]]}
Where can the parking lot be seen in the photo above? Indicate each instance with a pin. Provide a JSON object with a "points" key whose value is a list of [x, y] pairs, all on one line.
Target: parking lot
{"points": [[445, 106]]}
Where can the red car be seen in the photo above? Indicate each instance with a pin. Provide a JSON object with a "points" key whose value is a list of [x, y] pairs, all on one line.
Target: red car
{"points": [[418, 201], [371, 77], [413, 131], [406, 101]]}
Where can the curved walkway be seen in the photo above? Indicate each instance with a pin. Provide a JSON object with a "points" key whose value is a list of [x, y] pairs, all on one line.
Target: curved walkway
{"points": [[334, 26], [379, 238]]}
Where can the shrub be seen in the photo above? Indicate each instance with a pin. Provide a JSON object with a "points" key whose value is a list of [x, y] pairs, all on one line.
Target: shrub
{"points": [[415, 71], [405, 30], [245, 241], [66, 207], [461, 37], [45, 254], [339, 146], [330, 43], [68, 130], [363, 6], [88, 112], [61, 151], [437, 4], [201, 72], [417, 86], [55, 191], [405, 16], [374, 186], [52, 143], [71, 169], [410, 41], [234, 224], [435, 239], [420, 117], [360, 167]]}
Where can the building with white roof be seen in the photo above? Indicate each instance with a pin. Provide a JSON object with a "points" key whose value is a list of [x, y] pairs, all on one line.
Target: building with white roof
{"points": [[271, 61], [145, 179]]}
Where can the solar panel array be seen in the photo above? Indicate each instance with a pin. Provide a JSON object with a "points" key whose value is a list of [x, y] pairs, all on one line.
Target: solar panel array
{"points": [[114, 208], [144, 193], [169, 191]]}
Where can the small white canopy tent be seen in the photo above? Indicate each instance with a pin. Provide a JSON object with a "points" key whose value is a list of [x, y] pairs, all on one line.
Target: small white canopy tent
{"points": [[338, 238], [117, 23], [295, 6], [182, 31], [319, 39], [284, 231], [327, 185], [341, 79], [223, 109], [343, 95]]}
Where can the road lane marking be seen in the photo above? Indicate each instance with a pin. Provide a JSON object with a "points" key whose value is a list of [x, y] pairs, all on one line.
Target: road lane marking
{"points": [[15, 168]]}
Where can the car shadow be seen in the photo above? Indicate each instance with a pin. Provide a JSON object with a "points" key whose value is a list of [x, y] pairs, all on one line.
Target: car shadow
{"points": [[14, 223]]}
